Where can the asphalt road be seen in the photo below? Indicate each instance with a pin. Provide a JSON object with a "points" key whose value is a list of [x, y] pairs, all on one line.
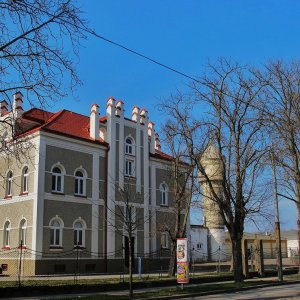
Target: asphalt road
{"points": [[289, 291]]}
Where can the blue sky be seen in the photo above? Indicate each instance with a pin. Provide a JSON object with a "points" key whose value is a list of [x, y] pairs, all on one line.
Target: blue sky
{"points": [[183, 35]]}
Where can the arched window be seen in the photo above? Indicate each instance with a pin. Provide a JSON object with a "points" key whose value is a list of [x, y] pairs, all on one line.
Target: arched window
{"points": [[7, 234], [163, 194], [78, 234], [55, 233], [57, 180], [9, 179], [23, 228], [80, 183], [25, 180], [129, 146]]}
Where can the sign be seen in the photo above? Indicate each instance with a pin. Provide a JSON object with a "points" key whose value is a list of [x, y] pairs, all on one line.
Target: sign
{"points": [[4, 267], [182, 261]]}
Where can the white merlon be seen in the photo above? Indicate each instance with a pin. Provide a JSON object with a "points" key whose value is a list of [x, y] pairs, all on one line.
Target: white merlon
{"points": [[3, 108], [157, 142], [17, 106], [94, 122], [110, 106], [119, 108], [143, 116], [152, 139], [135, 114]]}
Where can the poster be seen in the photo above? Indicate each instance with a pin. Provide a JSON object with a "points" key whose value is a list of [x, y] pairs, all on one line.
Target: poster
{"points": [[182, 261]]}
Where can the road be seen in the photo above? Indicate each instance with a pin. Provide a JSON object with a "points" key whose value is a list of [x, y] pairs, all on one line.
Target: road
{"points": [[289, 291]]}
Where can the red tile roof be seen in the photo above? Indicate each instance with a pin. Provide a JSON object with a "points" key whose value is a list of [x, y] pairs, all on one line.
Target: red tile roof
{"points": [[71, 124], [64, 122]]}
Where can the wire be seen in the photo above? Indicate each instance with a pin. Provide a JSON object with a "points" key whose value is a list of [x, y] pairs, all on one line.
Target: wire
{"points": [[94, 33]]}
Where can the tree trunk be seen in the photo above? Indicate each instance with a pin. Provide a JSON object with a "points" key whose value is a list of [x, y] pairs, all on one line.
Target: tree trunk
{"points": [[237, 259], [130, 269], [172, 264]]}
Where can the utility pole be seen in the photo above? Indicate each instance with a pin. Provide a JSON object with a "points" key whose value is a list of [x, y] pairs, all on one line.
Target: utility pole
{"points": [[277, 223]]}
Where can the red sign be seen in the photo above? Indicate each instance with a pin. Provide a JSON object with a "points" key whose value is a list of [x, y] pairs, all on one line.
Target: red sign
{"points": [[4, 267]]}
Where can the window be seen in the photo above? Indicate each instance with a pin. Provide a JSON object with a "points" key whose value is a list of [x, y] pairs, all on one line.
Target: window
{"points": [[9, 179], [129, 167], [78, 234], [199, 246], [163, 194], [55, 233], [57, 180], [164, 240], [7, 234], [128, 146], [25, 180], [23, 227], [80, 183]]}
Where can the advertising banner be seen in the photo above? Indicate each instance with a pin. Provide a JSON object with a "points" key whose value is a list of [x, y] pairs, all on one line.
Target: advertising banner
{"points": [[182, 261]]}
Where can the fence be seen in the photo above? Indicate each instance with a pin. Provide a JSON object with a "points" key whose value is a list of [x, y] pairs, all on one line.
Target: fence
{"points": [[75, 265]]}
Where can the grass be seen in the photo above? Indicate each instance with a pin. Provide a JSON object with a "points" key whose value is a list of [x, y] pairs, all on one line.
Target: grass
{"points": [[175, 291], [104, 281]]}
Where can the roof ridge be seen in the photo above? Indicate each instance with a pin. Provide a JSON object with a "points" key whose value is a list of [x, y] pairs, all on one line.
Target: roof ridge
{"points": [[53, 118]]}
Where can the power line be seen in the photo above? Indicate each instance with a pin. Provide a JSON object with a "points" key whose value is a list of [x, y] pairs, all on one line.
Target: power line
{"points": [[94, 33]]}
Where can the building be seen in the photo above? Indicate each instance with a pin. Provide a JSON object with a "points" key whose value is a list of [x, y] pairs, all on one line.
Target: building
{"points": [[62, 197]]}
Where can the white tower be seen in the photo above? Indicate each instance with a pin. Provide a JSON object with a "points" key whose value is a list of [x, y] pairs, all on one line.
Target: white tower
{"points": [[212, 163]]}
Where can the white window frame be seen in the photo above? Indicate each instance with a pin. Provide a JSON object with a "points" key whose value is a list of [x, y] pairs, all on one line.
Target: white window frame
{"points": [[9, 182], [23, 232], [129, 171], [129, 147], [7, 228], [80, 179], [163, 194], [164, 240], [76, 231], [25, 175], [57, 175], [56, 230]]}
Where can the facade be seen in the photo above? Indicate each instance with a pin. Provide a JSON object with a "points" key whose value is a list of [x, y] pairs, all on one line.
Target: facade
{"points": [[64, 197]]}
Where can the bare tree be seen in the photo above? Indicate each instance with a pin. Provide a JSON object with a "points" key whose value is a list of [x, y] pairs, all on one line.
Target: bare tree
{"points": [[127, 220], [222, 110], [282, 118], [181, 182], [39, 43]]}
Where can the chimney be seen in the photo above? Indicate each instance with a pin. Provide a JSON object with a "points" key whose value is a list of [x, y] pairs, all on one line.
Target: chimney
{"points": [[119, 108], [94, 121], [143, 116], [157, 143], [17, 105], [135, 113], [3, 108], [151, 134]]}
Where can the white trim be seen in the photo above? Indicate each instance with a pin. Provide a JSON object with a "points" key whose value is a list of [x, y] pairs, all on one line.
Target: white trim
{"points": [[38, 199], [138, 167], [153, 208], [111, 173], [95, 204], [121, 151], [146, 188]]}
